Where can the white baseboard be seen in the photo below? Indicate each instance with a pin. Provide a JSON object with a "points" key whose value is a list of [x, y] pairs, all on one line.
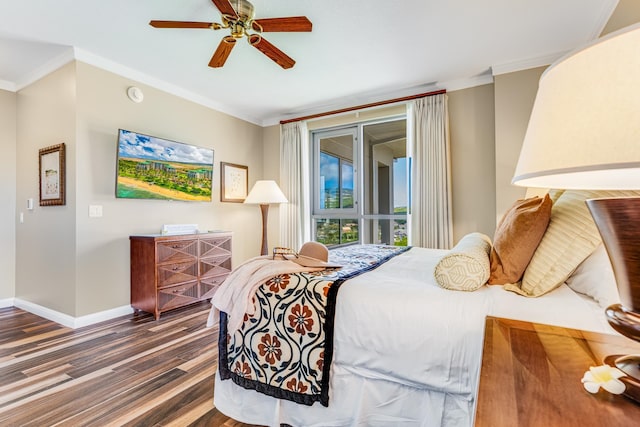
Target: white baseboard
{"points": [[6, 302], [101, 316], [70, 321]]}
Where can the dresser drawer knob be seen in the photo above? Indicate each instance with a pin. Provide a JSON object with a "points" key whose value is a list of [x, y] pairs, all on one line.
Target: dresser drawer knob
{"points": [[177, 291]]}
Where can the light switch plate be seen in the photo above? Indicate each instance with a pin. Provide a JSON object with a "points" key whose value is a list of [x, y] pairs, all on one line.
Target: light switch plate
{"points": [[95, 211]]}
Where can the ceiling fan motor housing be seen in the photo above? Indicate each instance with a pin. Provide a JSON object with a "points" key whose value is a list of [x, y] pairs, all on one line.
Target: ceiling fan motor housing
{"points": [[244, 9]]}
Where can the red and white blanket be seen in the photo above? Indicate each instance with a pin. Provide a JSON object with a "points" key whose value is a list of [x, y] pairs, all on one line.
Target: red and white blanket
{"points": [[284, 344]]}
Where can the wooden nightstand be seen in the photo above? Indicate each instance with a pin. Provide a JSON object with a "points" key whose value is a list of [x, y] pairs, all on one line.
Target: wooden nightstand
{"points": [[531, 374]]}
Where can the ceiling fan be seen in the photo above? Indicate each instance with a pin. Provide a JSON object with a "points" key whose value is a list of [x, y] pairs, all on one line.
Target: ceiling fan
{"points": [[237, 15]]}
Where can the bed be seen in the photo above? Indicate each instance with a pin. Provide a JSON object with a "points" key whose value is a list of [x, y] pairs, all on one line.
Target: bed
{"points": [[407, 349]]}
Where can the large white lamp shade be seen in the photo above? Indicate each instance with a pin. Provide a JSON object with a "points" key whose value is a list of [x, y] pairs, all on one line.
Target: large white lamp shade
{"points": [[584, 130], [584, 133]]}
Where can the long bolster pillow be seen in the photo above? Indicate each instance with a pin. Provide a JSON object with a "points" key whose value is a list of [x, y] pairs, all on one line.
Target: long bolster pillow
{"points": [[466, 267]]}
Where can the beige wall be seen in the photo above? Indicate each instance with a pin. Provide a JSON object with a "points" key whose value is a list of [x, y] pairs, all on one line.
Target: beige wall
{"points": [[45, 242], [271, 170], [471, 122], [7, 194], [83, 264], [514, 97], [626, 13]]}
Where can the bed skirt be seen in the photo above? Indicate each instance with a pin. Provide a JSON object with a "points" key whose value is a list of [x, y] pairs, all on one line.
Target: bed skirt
{"points": [[358, 399]]}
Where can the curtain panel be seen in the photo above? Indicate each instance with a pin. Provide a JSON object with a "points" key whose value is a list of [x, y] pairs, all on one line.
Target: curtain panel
{"points": [[295, 216], [431, 216]]}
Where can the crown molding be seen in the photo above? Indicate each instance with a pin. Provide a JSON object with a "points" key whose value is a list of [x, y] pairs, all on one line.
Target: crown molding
{"points": [[47, 68], [7, 85], [130, 73], [526, 64]]}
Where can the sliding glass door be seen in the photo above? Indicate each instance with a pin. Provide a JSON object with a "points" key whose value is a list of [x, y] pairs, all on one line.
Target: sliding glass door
{"points": [[360, 183]]}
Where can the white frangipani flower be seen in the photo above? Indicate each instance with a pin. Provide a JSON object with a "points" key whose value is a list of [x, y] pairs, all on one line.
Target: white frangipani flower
{"points": [[603, 376]]}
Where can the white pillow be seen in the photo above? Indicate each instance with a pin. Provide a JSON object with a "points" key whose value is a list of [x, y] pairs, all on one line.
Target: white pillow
{"points": [[595, 278], [466, 267]]}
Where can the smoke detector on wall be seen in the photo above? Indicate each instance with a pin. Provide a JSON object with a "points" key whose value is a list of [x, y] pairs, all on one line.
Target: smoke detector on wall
{"points": [[135, 94]]}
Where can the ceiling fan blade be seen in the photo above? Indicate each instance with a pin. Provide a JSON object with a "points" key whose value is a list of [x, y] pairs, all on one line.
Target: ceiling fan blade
{"points": [[180, 24], [292, 23], [225, 8], [222, 52], [278, 56]]}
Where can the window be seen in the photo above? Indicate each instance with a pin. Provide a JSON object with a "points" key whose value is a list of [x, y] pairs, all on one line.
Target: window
{"points": [[360, 183], [336, 182]]}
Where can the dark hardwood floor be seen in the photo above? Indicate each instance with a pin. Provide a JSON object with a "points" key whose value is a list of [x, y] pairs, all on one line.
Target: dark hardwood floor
{"points": [[129, 371]]}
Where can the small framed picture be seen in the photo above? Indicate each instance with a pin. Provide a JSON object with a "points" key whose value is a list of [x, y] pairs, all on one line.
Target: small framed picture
{"points": [[52, 175], [233, 182]]}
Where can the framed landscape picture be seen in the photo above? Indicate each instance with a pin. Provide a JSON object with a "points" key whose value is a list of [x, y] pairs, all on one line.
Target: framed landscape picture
{"points": [[233, 182], [51, 165]]}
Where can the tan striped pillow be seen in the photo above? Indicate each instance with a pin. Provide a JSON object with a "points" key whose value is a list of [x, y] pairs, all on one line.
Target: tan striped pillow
{"points": [[570, 238]]}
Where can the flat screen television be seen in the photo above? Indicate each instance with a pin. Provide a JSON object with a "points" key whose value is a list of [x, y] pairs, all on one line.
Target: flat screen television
{"points": [[156, 168]]}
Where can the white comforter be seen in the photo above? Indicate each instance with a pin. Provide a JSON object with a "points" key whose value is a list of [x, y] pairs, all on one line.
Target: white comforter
{"points": [[407, 350]]}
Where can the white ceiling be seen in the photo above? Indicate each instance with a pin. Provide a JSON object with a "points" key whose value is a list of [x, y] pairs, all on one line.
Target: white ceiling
{"points": [[359, 51]]}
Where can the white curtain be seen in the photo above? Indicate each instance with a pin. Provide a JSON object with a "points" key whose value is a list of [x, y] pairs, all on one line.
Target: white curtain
{"points": [[431, 218], [295, 219]]}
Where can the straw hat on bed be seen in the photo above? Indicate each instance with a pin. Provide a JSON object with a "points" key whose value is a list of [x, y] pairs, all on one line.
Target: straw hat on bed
{"points": [[314, 254]]}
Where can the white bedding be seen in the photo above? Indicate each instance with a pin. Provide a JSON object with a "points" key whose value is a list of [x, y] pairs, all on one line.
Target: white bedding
{"points": [[406, 351]]}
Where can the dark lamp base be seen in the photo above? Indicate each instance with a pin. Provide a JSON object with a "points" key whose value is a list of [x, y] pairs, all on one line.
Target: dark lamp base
{"points": [[625, 321], [618, 221], [630, 365]]}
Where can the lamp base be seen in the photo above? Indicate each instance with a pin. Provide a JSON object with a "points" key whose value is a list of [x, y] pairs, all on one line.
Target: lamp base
{"points": [[264, 249], [625, 321], [630, 365]]}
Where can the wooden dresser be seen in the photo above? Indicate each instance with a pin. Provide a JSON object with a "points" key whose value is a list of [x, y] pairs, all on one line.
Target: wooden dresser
{"points": [[172, 271], [531, 374]]}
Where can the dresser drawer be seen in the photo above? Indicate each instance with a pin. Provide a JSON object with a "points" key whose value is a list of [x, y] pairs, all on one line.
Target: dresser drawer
{"points": [[177, 296], [176, 250], [172, 274], [214, 266], [210, 284], [215, 246]]}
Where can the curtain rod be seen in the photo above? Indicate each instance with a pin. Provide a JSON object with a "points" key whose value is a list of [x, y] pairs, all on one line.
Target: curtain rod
{"points": [[360, 107]]}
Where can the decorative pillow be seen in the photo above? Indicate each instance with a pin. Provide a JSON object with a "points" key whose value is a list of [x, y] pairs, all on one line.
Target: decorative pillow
{"points": [[517, 237], [570, 238], [466, 266], [555, 194], [595, 278]]}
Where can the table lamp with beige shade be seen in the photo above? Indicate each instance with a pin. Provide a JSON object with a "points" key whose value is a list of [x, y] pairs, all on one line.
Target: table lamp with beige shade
{"points": [[584, 133]]}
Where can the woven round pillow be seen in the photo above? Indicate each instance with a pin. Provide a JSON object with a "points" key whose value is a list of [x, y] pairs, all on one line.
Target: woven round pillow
{"points": [[466, 267]]}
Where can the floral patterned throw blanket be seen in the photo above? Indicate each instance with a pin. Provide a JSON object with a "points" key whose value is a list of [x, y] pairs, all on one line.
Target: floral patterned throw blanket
{"points": [[285, 348]]}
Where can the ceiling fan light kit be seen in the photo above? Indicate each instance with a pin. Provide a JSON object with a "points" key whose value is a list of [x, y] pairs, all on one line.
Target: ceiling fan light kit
{"points": [[238, 17]]}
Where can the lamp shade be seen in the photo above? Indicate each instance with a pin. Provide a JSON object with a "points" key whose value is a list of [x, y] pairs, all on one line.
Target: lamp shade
{"points": [[584, 133], [264, 193], [584, 130]]}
